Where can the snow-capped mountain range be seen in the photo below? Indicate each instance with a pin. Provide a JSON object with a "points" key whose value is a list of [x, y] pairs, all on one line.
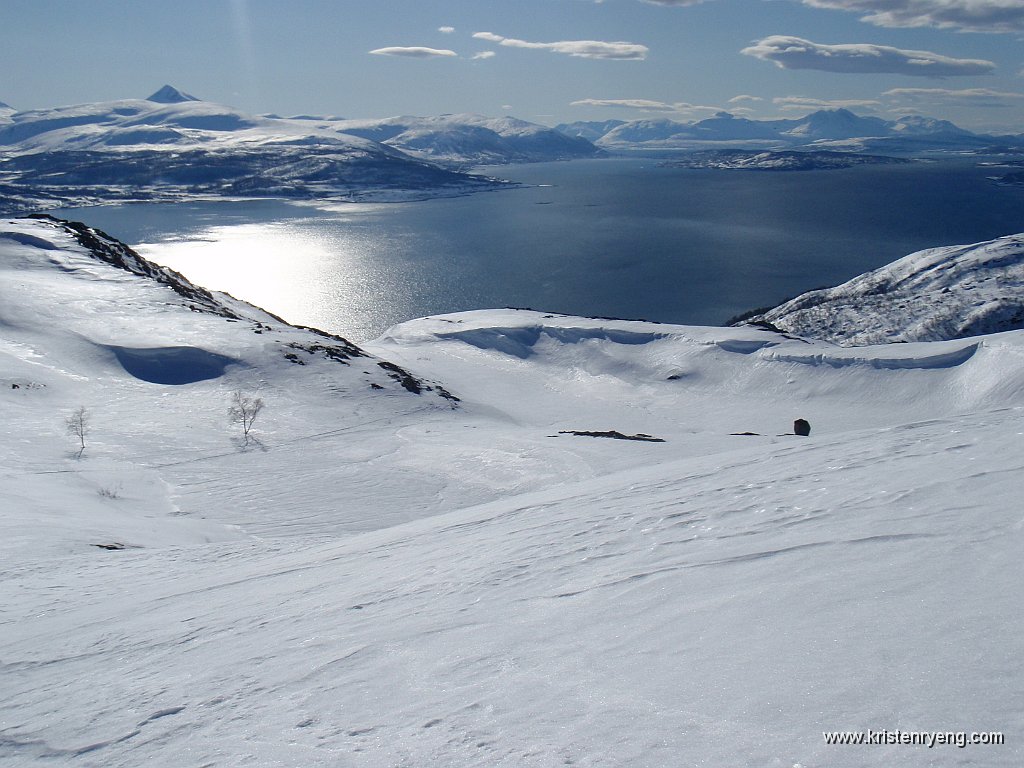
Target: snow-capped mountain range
{"points": [[386, 575], [827, 128], [172, 145]]}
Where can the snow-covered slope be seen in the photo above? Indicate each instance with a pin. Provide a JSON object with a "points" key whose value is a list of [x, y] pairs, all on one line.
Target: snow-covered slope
{"points": [[939, 293], [591, 130], [385, 580], [172, 145], [472, 139]]}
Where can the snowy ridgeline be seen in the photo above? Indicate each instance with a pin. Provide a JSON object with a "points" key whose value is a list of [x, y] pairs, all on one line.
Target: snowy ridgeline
{"points": [[172, 145], [389, 576]]}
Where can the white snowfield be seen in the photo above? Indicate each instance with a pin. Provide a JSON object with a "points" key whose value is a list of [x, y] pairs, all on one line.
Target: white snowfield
{"points": [[384, 578]]}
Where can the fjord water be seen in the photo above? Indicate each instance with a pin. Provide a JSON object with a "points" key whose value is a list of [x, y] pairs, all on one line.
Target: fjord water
{"points": [[613, 238]]}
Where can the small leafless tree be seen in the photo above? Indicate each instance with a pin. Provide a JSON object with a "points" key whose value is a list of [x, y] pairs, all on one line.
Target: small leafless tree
{"points": [[243, 411], [78, 426]]}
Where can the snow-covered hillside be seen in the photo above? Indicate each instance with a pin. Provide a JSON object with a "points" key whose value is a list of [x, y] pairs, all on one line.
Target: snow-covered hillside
{"points": [[939, 293], [385, 578], [172, 145]]}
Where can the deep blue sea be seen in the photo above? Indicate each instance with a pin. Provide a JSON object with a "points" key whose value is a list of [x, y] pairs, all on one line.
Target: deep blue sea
{"points": [[612, 238]]}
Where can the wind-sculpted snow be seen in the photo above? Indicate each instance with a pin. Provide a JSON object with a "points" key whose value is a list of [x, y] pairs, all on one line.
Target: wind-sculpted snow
{"points": [[934, 356], [521, 341], [172, 365], [940, 293], [378, 579]]}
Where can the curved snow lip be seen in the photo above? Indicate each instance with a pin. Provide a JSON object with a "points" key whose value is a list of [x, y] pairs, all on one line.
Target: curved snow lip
{"points": [[519, 342], [744, 346], [946, 359], [172, 365], [27, 239]]}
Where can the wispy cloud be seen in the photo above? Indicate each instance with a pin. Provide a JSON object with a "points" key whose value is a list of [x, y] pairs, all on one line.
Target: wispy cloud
{"points": [[968, 15], [413, 52], [744, 97], [677, 108], [446, 30], [803, 103], [644, 104], [673, 2], [862, 58], [484, 55], [975, 97], [584, 49]]}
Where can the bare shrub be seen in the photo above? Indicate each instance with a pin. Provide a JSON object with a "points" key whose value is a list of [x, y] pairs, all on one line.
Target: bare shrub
{"points": [[78, 425], [243, 411]]}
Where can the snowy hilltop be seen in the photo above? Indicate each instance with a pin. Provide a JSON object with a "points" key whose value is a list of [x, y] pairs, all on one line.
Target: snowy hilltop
{"points": [[939, 293], [435, 549], [835, 129], [173, 146]]}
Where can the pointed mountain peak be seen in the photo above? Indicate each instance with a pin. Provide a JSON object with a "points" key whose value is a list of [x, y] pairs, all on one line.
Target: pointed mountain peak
{"points": [[170, 95]]}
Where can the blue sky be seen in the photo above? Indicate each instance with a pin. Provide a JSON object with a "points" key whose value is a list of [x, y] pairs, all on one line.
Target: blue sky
{"points": [[548, 61]]}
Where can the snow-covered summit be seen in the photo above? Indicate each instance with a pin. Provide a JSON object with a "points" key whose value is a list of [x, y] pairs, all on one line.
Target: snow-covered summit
{"points": [[472, 139], [168, 94], [939, 293], [839, 124]]}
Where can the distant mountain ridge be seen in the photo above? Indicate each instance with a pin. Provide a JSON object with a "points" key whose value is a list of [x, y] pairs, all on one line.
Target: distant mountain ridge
{"points": [[173, 145], [475, 139], [821, 129]]}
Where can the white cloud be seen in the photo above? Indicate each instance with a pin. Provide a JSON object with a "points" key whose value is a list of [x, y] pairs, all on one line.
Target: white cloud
{"points": [[446, 30], [413, 52], [484, 55], [643, 104], [862, 58], [585, 49], [673, 2], [677, 108], [744, 97], [974, 97], [804, 103], [969, 15]]}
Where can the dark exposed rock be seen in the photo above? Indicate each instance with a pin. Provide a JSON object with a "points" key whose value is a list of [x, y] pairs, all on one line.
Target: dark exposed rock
{"points": [[612, 433]]}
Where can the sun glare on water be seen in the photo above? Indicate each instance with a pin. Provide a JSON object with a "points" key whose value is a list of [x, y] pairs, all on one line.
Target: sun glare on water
{"points": [[327, 280]]}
